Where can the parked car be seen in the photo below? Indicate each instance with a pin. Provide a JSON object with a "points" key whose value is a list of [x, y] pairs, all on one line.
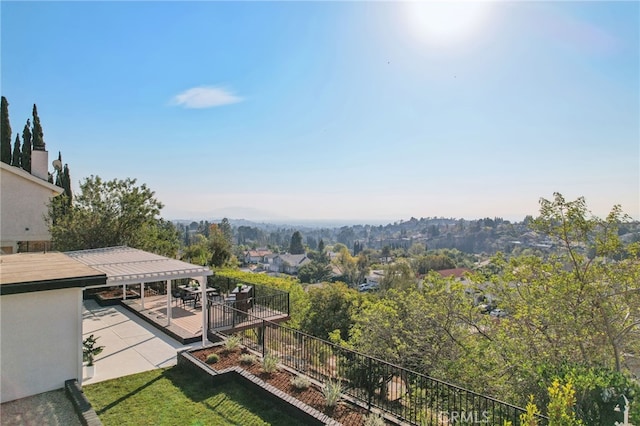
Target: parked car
{"points": [[498, 313], [367, 287]]}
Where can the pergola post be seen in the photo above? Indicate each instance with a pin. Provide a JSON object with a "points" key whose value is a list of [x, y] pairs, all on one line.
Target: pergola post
{"points": [[169, 308], [142, 295], [203, 297], [124, 292]]}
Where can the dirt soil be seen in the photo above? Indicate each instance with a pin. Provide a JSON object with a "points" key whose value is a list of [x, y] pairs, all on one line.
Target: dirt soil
{"points": [[345, 413]]}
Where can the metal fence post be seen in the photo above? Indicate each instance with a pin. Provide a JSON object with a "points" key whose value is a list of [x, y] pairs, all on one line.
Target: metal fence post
{"points": [[264, 339]]}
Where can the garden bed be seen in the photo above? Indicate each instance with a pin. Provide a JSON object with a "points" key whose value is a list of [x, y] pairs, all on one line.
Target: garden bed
{"points": [[110, 296], [344, 412]]}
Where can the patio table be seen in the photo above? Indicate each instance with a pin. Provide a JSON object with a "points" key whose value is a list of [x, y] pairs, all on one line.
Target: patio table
{"points": [[197, 292]]}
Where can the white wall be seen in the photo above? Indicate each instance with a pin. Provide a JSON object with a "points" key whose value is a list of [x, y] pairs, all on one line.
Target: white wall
{"points": [[23, 205], [40, 341]]}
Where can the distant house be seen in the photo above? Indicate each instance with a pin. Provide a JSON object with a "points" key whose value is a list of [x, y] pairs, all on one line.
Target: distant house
{"points": [[288, 263], [24, 198], [457, 273], [256, 256]]}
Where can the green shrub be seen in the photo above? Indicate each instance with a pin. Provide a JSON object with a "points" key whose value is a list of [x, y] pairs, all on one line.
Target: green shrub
{"points": [[331, 391], [374, 419], [212, 358], [300, 382], [247, 359], [270, 363], [232, 343]]}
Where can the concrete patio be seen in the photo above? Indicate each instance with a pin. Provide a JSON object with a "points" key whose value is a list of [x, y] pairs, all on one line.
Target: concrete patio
{"points": [[130, 344]]}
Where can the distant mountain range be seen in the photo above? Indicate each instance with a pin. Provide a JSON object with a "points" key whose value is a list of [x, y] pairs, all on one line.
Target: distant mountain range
{"points": [[249, 216]]}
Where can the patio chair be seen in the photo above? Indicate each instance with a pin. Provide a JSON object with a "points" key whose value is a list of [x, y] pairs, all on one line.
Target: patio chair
{"points": [[214, 298], [176, 294], [188, 297]]}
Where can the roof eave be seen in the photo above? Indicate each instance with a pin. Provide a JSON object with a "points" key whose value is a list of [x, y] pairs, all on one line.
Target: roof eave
{"points": [[57, 284]]}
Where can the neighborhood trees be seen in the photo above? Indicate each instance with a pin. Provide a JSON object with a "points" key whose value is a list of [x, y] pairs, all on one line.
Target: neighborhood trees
{"points": [[25, 159], [332, 308], [5, 132], [111, 213], [16, 157], [296, 246], [219, 246], [578, 309], [38, 134]]}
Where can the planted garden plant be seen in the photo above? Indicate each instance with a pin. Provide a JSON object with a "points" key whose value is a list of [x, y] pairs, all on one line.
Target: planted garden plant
{"points": [[89, 352]]}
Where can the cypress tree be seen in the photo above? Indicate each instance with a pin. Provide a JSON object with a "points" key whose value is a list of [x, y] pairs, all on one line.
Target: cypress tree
{"points": [[16, 160], [296, 246], [59, 172], [38, 135], [66, 184], [5, 133], [26, 147]]}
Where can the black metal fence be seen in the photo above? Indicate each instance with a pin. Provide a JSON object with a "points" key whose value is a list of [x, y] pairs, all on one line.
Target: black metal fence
{"points": [[262, 303], [406, 395]]}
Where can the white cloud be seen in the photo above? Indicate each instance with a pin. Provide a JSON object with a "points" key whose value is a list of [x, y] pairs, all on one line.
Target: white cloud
{"points": [[205, 97]]}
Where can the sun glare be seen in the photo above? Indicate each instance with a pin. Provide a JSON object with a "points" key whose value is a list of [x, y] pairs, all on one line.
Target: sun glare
{"points": [[446, 22]]}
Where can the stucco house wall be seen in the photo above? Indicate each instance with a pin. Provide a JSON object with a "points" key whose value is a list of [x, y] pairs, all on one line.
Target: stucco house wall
{"points": [[41, 341], [23, 206]]}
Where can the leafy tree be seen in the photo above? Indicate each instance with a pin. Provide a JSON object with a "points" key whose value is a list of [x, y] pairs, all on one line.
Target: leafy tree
{"points": [[432, 262], [417, 249], [219, 246], [225, 228], [111, 213], [296, 246], [16, 159], [5, 132], [38, 135], [385, 254], [353, 269], [398, 275], [314, 272], [198, 252], [26, 147], [187, 238], [332, 307], [580, 304], [312, 243]]}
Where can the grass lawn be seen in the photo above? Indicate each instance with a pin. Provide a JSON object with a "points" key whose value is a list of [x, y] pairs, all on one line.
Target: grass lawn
{"points": [[176, 396]]}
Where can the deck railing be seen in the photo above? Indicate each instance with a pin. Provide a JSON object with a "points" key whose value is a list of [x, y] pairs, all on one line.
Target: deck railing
{"points": [[266, 303], [404, 394]]}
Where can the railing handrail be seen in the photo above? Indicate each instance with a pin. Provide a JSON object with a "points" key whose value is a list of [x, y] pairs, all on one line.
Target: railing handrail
{"points": [[262, 323]]}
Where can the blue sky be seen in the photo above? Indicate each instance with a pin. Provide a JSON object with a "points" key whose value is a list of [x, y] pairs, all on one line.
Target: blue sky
{"points": [[360, 111]]}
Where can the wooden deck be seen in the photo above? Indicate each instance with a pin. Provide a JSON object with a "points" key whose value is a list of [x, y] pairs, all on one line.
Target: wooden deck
{"points": [[186, 321]]}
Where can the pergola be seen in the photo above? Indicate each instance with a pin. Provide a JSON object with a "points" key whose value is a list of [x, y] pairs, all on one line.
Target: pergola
{"points": [[125, 266]]}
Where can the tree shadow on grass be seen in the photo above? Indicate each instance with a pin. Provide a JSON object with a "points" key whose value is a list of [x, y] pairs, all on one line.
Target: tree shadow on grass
{"points": [[127, 396], [201, 389]]}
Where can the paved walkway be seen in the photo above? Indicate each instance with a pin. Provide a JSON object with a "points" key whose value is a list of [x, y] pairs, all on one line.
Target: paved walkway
{"points": [[130, 344]]}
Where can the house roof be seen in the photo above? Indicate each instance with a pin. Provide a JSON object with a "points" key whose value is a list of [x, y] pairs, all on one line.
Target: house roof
{"points": [[28, 272], [258, 252], [456, 272], [31, 178], [293, 259], [126, 265]]}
